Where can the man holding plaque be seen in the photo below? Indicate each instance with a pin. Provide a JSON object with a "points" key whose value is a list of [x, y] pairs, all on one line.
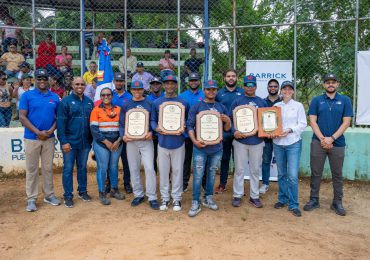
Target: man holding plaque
{"points": [[193, 95], [330, 116], [226, 96], [207, 149], [168, 118], [134, 129], [247, 148]]}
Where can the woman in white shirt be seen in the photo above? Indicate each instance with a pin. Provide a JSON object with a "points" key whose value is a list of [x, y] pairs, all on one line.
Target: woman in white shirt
{"points": [[287, 149]]}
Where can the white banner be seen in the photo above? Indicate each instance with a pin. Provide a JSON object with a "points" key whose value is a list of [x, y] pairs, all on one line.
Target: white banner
{"points": [[363, 95], [264, 70]]}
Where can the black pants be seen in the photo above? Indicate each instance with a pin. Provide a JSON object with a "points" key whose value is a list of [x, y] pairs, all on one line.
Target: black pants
{"points": [[227, 144], [317, 161], [155, 144], [187, 161]]}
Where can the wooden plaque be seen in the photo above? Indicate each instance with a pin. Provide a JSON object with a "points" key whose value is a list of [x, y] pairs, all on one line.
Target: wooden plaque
{"points": [[209, 127], [172, 118], [137, 123], [245, 119], [269, 121]]}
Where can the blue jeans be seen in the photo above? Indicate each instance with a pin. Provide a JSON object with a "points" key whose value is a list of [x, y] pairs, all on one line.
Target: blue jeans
{"points": [[199, 161], [5, 116], [79, 156], [266, 162], [107, 161], [287, 161]]}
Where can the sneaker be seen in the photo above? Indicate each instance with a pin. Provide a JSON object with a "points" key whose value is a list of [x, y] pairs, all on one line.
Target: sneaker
{"points": [[296, 212], [154, 204], [164, 205], [52, 200], [84, 196], [107, 189], [128, 188], [264, 188], [68, 202], [103, 198], [195, 208], [185, 188], [209, 203], [31, 206], [137, 201], [338, 208], [255, 202], [279, 205], [220, 189], [176, 205], [114, 193], [312, 204], [236, 202]]}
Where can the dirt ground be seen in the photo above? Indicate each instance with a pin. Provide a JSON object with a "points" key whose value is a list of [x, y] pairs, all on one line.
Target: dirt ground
{"points": [[93, 231]]}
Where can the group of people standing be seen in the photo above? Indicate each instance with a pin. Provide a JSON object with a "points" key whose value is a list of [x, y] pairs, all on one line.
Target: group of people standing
{"points": [[81, 125]]}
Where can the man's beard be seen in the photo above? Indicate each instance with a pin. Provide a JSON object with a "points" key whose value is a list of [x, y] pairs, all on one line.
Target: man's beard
{"points": [[230, 85], [273, 94]]}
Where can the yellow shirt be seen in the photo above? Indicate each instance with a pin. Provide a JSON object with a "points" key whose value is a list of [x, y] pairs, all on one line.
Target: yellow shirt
{"points": [[88, 77], [13, 60]]}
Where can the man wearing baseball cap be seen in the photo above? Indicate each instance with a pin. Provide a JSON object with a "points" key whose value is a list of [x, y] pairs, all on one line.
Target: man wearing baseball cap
{"points": [[37, 113], [206, 158], [171, 149], [247, 149], [24, 69], [330, 116], [143, 76], [192, 95], [140, 151]]}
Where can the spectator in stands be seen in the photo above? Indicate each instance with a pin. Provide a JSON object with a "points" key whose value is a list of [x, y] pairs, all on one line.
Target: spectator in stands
{"points": [[98, 41], [191, 65], [131, 63], [166, 64], [91, 74], [64, 60], [142, 76], [9, 35], [13, 59], [117, 38], [68, 81], [91, 89], [24, 69], [25, 84], [27, 49], [6, 92], [46, 53], [56, 85], [89, 39]]}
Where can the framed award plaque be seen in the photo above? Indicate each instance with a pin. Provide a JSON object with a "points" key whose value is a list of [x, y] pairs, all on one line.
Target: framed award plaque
{"points": [[171, 118], [137, 123], [209, 127], [269, 121], [245, 119]]}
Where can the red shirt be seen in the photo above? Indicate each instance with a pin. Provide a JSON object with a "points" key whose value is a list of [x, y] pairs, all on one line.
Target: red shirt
{"points": [[59, 91], [46, 54]]}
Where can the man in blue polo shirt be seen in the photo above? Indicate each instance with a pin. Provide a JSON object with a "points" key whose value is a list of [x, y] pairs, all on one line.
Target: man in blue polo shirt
{"points": [[248, 149], [226, 96], [206, 157], [171, 149], [193, 95], [37, 112], [73, 129], [330, 116]]}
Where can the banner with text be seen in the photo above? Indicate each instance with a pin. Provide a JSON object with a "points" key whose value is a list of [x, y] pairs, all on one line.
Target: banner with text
{"points": [[363, 97]]}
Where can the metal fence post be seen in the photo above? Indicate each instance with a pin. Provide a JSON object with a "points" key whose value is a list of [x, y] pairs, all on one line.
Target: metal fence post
{"points": [[355, 67], [178, 47], [295, 47], [82, 35], [34, 33], [206, 42], [125, 44], [234, 34]]}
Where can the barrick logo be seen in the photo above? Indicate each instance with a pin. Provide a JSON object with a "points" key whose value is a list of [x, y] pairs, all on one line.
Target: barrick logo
{"points": [[270, 75]]}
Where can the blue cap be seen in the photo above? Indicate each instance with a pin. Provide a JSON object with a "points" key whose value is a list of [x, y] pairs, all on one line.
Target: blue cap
{"points": [[170, 78], [119, 76], [136, 84], [41, 73], [250, 79], [287, 84], [210, 84], [140, 64]]}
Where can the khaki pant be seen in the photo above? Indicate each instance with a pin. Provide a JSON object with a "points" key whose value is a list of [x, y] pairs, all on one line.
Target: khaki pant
{"points": [[34, 150]]}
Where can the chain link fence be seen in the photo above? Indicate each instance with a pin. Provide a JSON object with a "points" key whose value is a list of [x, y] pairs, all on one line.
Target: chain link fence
{"points": [[62, 36]]}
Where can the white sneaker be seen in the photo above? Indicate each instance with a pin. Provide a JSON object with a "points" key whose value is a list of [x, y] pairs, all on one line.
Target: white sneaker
{"points": [[264, 188], [195, 209], [176, 205], [164, 205], [209, 203]]}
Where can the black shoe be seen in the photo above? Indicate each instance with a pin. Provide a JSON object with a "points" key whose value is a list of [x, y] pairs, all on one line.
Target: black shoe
{"points": [[185, 188], [103, 198], [107, 189], [84, 196], [128, 188], [338, 208], [279, 205], [296, 212], [114, 193], [154, 204], [137, 201], [68, 203], [311, 205]]}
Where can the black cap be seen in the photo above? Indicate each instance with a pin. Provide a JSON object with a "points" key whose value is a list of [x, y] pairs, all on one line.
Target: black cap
{"points": [[287, 83], [41, 73], [140, 64], [24, 65], [155, 79], [330, 76], [119, 76], [194, 76]]}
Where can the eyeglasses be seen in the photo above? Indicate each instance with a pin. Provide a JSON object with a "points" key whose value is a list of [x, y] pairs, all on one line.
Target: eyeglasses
{"points": [[80, 84], [105, 95], [273, 86], [44, 79], [249, 85]]}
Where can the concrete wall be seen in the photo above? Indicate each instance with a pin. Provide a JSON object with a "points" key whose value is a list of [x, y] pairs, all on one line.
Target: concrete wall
{"points": [[356, 164]]}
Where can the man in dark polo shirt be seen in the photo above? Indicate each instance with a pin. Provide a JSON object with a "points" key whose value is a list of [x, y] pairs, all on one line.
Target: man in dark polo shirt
{"points": [[330, 116]]}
